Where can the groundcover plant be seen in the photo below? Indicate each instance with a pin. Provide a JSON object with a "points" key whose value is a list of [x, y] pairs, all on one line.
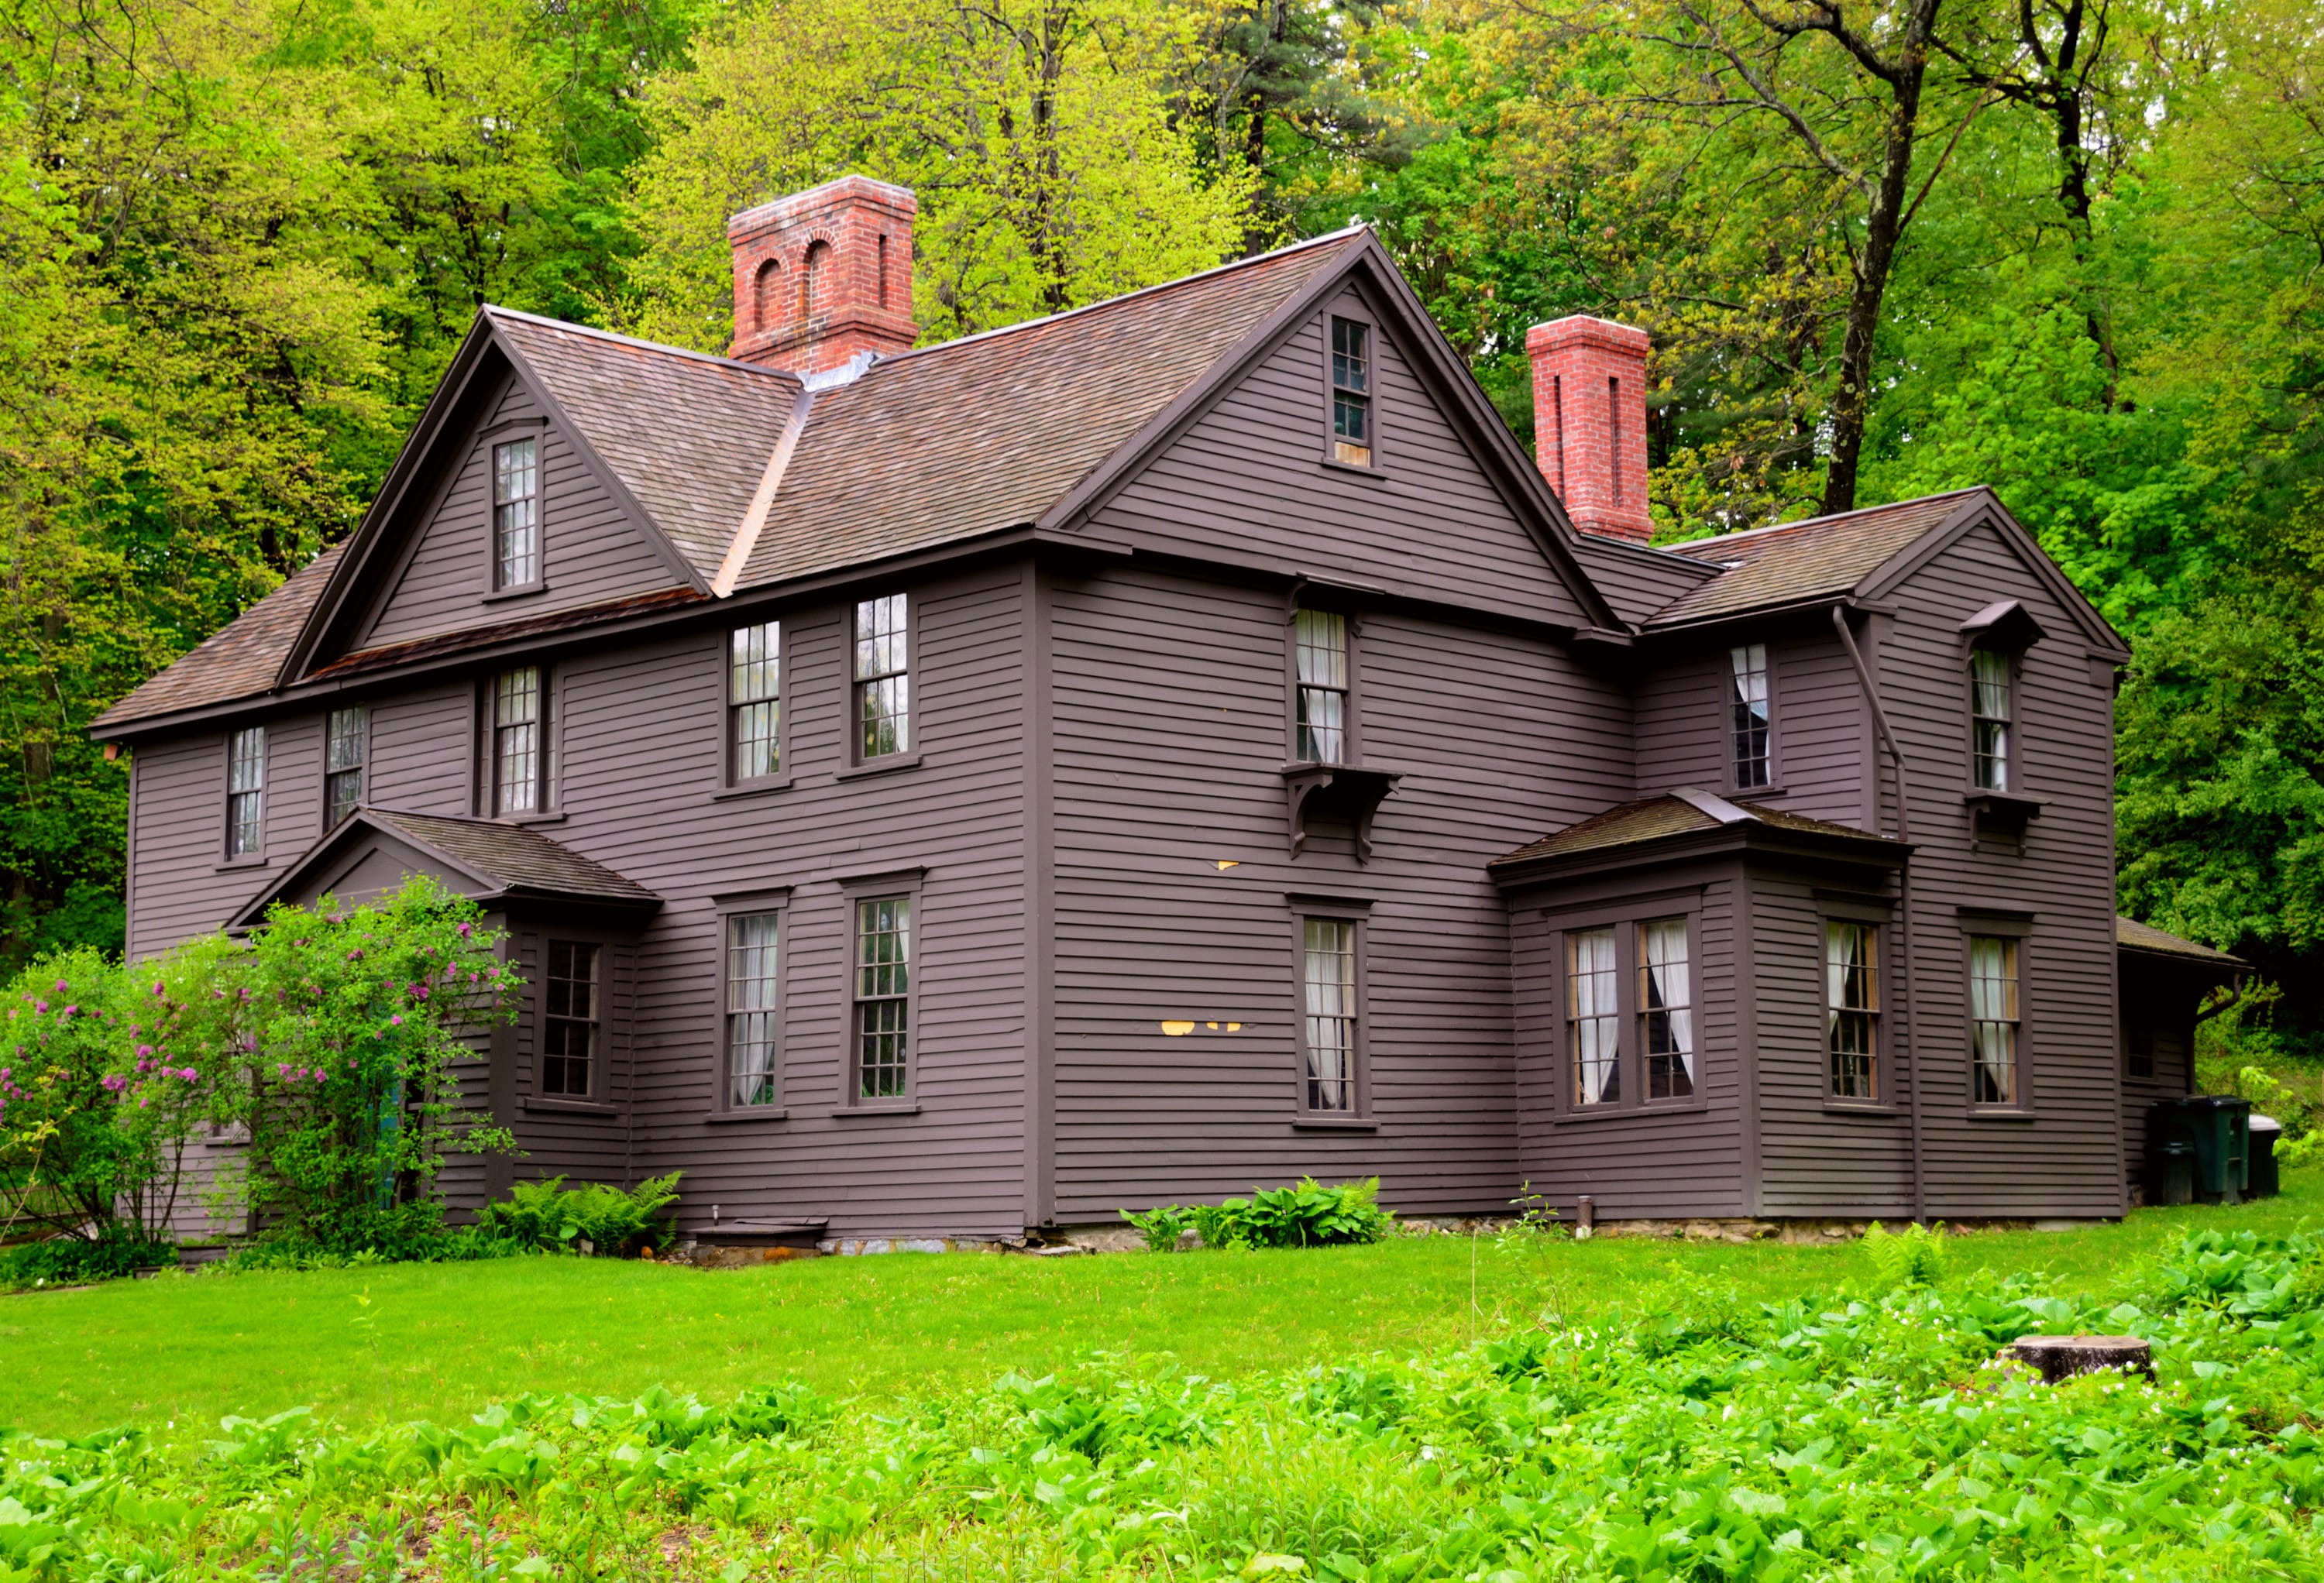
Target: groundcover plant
{"points": [[1858, 1437]]}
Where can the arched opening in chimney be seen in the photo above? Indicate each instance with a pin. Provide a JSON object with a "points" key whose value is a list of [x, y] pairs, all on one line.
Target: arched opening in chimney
{"points": [[765, 305], [811, 273]]}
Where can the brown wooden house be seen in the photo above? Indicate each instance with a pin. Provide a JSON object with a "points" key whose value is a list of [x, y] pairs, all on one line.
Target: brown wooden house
{"points": [[1178, 745]]}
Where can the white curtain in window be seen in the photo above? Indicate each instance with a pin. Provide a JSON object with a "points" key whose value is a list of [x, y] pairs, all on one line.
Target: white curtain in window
{"points": [[1594, 991], [1666, 998]]}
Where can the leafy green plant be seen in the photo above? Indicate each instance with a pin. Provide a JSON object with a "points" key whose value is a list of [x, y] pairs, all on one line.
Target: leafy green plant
{"points": [[1916, 1257], [594, 1218], [1161, 1226], [1306, 1214], [68, 1261]]}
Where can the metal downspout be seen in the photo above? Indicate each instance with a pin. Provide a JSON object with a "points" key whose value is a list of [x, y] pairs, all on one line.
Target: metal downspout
{"points": [[1905, 880]]}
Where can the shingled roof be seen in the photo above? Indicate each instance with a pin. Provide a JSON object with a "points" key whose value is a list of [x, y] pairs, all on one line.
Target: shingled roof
{"points": [[506, 861], [927, 448], [240, 659], [2130, 935], [1684, 812], [1819, 557]]}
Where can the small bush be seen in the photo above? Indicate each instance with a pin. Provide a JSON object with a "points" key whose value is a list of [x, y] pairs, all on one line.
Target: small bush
{"points": [[74, 1261], [1304, 1215], [1915, 1259], [438, 1247], [595, 1219]]}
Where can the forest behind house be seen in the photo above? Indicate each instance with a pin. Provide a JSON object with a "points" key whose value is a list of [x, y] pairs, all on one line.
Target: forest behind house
{"points": [[2073, 249]]}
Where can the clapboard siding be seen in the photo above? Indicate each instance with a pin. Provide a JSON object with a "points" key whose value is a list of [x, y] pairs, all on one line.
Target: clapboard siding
{"points": [[1246, 482], [185, 886], [592, 549], [1634, 579], [1637, 1161], [2065, 1158], [1170, 701]]}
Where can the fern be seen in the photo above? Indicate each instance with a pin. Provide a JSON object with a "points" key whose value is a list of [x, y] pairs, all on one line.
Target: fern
{"points": [[1915, 1259]]}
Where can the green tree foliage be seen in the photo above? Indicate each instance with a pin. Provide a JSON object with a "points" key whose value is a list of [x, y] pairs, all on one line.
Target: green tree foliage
{"points": [[1036, 135]]}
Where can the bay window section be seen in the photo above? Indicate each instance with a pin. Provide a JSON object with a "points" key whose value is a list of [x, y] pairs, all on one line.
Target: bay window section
{"points": [[1667, 1010], [1853, 1008], [569, 1019], [1593, 1017]]}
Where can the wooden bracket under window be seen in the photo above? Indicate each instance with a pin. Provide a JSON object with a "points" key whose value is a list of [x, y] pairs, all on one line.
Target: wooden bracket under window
{"points": [[1334, 791]]}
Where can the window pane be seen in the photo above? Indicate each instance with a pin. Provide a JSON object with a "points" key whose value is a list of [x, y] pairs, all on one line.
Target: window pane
{"points": [[755, 685], [1350, 356], [569, 1017], [245, 790], [883, 986], [750, 963], [516, 742], [1994, 1017], [1666, 1009], [1853, 1007], [1330, 975], [1747, 713], [343, 764], [1593, 1017], [879, 638], [1320, 640], [883, 690], [1990, 704], [516, 505]]}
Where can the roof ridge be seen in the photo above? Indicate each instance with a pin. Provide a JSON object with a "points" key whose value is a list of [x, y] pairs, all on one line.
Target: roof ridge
{"points": [[495, 310], [1232, 264], [1685, 548]]}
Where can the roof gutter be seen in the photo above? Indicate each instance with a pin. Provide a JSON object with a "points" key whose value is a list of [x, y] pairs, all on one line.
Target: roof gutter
{"points": [[1904, 882]]}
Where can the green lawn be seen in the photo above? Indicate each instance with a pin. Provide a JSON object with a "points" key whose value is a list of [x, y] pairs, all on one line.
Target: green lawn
{"points": [[438, 1341]]}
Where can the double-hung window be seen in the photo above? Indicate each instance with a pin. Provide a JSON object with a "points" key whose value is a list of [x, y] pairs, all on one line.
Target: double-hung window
{"points": [[245, 792], [884, 1000], [753, 1034], [1748, 716], [516, 747], [884, 682], [1666, 1009], [1995, 1023], [343, 744], [1593, 1017], [1351, 393], [1851, 954], [516, 514], [754, 702], [1990, 704], [1320, 640], [1330, 1026], [569, 1019]]}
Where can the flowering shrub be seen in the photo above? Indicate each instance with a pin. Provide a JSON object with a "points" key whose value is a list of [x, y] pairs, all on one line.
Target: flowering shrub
{"points": [[96, 1102], [351, 1022], [325, 1038]]}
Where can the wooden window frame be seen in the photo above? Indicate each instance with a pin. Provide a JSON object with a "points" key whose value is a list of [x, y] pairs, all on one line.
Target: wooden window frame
{"points": [[1356, 912], [1628, 919], [600, 985], [777, 904], [730, 711], [547, 805], [1351, 696], [2019, 932], [1733, 783], [2013, 756], [909, 752], [360, 769], [610, 1077], [496, 441], [254, 855], [1349, 310], [903, 885], [1881, 1097]]}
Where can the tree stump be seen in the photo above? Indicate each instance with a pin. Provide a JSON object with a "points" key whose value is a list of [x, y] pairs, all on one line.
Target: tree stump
{"points": [[2061, 1357]]}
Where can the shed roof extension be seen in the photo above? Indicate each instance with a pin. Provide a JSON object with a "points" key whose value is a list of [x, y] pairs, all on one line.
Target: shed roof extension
{"points": [[2130, 935], [1799, 561]]}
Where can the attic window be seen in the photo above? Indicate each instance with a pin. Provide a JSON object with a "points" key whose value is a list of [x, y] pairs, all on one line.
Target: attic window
{"points": [[1351, 393], [516, 514]]}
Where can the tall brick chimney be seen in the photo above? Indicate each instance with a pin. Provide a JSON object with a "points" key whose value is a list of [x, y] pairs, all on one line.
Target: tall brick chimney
{"points": [[1589, 421], [824, 274]]}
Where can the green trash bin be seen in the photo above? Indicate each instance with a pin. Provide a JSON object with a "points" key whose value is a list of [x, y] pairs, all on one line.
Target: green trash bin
{"points": [[2221, 1125]]}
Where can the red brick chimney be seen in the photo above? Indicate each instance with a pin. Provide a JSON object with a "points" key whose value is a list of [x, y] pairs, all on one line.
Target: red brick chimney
{"points": [[824, 274], [1589, 421]]}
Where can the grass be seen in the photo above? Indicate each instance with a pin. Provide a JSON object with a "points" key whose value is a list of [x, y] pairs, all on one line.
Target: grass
{"points": [[437, 1342]]}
